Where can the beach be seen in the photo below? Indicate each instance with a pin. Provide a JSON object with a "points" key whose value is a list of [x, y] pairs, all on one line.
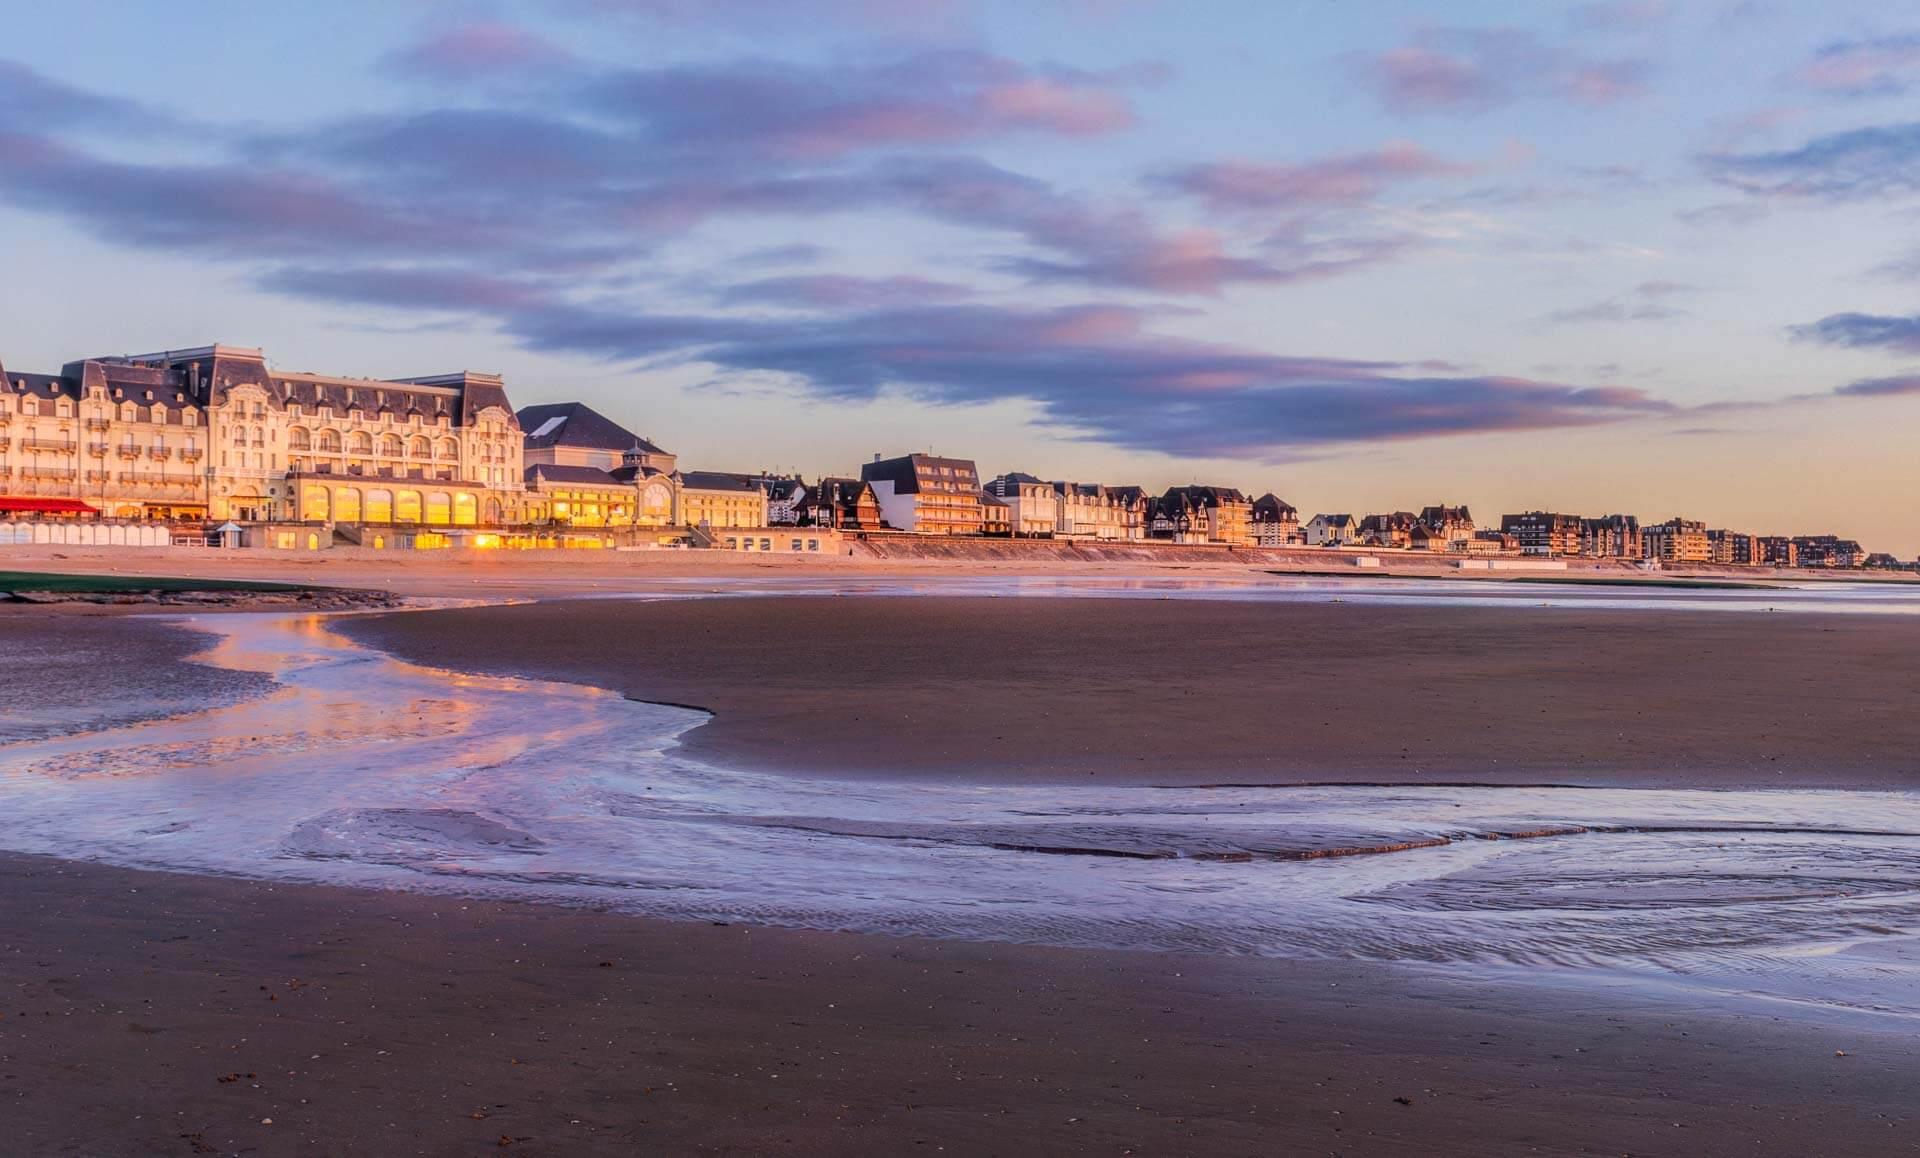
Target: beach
{"points": [[204, 1012], [151, 1013], [1199, 692]]}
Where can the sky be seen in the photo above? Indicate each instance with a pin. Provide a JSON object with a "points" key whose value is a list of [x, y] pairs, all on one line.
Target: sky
{"points": [[1642, 256]]}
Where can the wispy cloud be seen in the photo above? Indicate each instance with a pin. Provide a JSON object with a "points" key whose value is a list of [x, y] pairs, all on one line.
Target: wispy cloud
{"points": [[1879, 161], [1345, 179], [1650, 301], [1881, 387], [1474, 69], [1863, 332], [1874, 66]]}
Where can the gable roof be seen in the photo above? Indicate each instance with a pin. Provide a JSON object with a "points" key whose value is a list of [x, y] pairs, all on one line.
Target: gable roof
{"points": [[713, 480], [588, 475], [575, 424]]}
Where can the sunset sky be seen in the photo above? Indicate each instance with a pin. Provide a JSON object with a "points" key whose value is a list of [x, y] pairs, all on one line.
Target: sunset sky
{"points": [[1659, 258]]}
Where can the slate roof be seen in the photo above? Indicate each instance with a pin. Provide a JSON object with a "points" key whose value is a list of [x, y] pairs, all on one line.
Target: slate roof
{"points": [[713, 480], [578, 425], [1269, 508], [576, 475]]}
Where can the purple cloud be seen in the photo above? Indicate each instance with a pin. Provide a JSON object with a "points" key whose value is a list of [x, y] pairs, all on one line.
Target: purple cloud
{"points": [[1096, 370], [795, 111], [1622, 15], [1881, 161], [1863, 331], [1878, 66], [479, 48], [31, 102], [842, 291], [1339, 180], [1881, 387], [1470, 70]]}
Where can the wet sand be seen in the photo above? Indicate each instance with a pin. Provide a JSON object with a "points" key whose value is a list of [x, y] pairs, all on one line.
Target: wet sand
{"points": [[153, 1014], [1196, 692]]}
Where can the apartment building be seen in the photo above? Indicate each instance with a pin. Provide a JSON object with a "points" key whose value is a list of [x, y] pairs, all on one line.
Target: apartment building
{"points": [[1544, 532], [926, 494], [1393, 530], [845, 504], [1732, 548], [1032, 505], [1451, 526], [1677, 541], [1203, 514], [1611, 537], [716, 500], [1093, 511]]}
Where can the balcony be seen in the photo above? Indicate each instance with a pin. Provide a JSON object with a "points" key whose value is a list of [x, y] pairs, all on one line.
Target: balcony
{"points": [[52, 473], [99, 423], [129, 450], [159, 453], [96, 476], [48, 444], [97, 449], [190, 454]]}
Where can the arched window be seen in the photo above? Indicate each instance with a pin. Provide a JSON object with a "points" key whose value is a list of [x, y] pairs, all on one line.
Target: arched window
{"points": [[330, 442], [390, 445], [439, 508], [379, 506], [346, 505], [406, 507], [449, 448], [315, 503], [463, 510], [421, 448], [298, 438], [360, 442], [493, 512]]}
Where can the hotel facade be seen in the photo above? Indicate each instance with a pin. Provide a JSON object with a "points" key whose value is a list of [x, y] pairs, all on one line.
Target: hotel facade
{"points": [[211, 433]]}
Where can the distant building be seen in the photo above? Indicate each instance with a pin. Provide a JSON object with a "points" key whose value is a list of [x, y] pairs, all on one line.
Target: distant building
{"points": [[845, 504], [586, 470], [1206, 514], [1732, 548], [1612, 537], [785, 497], [1544, 532], [1676, 541], [1388, 530], [1827, 551], [713, 500], [1882, 561], [1276, 523], [1133, 503], [1453, 526], [996, 518], [927, 494], [1092, 511], [1779, 551], [1032, 505], [1338, 530]]}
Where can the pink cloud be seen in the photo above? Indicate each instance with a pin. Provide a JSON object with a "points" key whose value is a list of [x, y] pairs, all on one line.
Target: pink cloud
{"points": [[480, 47], [1340, 180]]}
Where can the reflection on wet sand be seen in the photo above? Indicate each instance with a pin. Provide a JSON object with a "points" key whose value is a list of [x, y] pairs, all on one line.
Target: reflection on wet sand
{"points": [[360, 769]]}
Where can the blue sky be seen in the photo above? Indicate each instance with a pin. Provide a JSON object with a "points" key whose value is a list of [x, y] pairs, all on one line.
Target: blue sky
{"points": [[1622, 256]]}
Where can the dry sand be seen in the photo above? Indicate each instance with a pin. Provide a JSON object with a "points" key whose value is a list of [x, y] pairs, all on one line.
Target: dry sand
{"points": [[1193, 691], [151, 1014]]}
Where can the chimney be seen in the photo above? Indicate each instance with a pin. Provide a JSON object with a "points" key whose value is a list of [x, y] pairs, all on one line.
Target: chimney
{"points": [[876, 457]]}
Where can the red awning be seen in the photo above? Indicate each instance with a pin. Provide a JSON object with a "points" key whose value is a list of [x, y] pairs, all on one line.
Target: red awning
{"points": [[47, 506]]}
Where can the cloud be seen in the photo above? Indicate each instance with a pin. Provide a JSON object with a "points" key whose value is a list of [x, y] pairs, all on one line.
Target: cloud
{"points": [[1881, 387], [1347, 179], [1863, 331], [1471, 70], [1879, 161], [1904, 268], [1723, 213], [804, 111], [842, 291], [1877, 66], [31, 102], [1646, 302], [1096, 370], [478, 49]]}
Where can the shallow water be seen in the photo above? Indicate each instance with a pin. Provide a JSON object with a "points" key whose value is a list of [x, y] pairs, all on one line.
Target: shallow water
{"points": [[364, 770]]}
